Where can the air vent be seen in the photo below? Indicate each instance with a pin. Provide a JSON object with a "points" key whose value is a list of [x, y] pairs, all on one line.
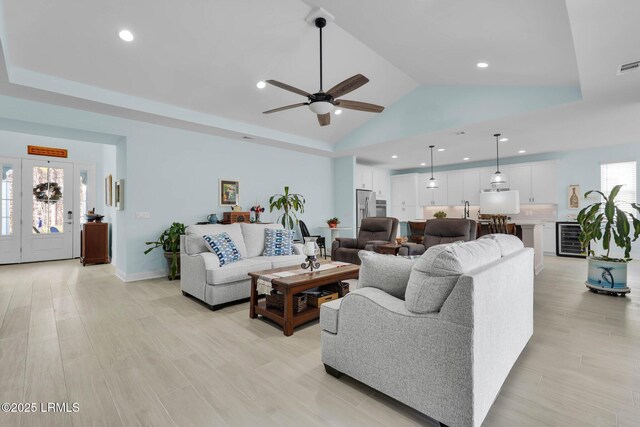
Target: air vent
{"points": [[627, 68]]}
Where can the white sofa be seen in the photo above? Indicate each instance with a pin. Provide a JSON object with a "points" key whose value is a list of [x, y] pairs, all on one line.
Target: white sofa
{"points": [[201, 275], [439, 334]]}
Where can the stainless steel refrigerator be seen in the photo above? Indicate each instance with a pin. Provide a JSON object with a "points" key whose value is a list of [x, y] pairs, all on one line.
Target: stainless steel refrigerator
{"points": [[365, 206]]}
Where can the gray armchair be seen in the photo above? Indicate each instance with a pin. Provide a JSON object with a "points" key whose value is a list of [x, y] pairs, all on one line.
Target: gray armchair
{"points": [[374, 231], [439, 231]]}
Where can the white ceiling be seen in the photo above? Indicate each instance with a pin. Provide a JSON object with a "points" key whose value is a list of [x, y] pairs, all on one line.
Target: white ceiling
{"points": [[206, 56], [201, 55], [526, 42]]}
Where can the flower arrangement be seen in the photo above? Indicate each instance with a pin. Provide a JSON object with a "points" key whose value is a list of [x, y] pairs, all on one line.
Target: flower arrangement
{"points": [[333, 222], [440, 214], [257, 210]]}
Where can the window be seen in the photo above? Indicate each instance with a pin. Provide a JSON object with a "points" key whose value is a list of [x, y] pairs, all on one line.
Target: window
{"points": [[6, 201], [612, 174]]}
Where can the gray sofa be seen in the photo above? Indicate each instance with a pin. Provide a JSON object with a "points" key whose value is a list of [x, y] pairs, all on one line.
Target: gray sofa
{"points": [[201, 275], [441, 333], [374, 231], [439, 231]]}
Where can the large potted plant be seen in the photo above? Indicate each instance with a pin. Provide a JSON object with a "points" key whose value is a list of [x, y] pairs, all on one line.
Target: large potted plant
{"points": [[290, 204], [169, 241], [603, 222]]}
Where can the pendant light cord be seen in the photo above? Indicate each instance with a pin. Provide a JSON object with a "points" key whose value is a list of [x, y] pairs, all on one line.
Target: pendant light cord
{"points": [[497, 153], [431, 147]]}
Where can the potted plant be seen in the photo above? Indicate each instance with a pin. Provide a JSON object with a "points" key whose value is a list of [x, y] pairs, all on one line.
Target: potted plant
{"points": [[440, 214], [333, 222], [169, 241], [290, 203], [604, 221]]}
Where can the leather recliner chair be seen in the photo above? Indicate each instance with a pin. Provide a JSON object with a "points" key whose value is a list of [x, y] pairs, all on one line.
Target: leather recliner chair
{"points": [[373, 232], [439, 231]]}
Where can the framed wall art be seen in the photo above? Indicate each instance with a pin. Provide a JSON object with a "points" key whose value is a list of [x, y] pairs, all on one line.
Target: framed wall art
{"points": [[574, 197], [229, 192]]}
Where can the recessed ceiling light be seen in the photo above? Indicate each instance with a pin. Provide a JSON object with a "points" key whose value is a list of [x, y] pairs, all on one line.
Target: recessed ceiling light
{"points": [[337, 112], [261, 84], [423, 164], [126, 35], [394, 157], [440, 149], [482, 65], [466, 158], [522, 151], [504, 139]]}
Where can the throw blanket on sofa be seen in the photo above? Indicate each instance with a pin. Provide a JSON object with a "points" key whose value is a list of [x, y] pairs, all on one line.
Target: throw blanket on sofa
{"points": [[264, 281]]}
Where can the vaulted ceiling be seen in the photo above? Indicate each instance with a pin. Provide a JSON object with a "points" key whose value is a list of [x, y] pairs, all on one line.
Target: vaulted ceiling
{"points": [[551, 63]]}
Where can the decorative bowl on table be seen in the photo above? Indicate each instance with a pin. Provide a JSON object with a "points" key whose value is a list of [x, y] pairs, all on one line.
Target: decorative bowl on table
{"points": [[94, 217]]}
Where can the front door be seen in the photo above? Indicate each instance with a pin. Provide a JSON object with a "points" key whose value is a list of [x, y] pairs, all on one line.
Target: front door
{"points": [[47, 205]]}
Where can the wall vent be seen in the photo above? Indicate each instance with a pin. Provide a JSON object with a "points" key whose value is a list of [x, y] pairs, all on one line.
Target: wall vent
{"points": [[627, 68]]}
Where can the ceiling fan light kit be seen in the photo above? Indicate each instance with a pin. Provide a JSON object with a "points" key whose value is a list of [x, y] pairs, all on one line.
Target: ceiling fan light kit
{"points": [[323, 103]]}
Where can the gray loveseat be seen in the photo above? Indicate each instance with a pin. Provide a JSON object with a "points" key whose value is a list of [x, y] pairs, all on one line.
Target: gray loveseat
{"points": [[201, 275], [440, 333]]}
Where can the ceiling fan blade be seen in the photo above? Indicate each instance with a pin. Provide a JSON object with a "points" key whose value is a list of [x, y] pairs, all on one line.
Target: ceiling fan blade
{"points": [[360, 106], [287, 87], [287, 107], [324, 119], [349, 85]]}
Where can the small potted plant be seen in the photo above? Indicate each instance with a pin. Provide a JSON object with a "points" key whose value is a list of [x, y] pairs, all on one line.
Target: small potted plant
{"points": [[440, 214], [333, 222], [257, 210], [602, 222], [169, 241]]}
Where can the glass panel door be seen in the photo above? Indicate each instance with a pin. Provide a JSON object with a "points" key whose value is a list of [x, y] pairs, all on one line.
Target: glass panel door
{"points": [[48, 233], [9, 210]]}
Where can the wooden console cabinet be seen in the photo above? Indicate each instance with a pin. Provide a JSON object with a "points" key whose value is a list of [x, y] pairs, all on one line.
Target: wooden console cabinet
{"points": [[94, 243]]}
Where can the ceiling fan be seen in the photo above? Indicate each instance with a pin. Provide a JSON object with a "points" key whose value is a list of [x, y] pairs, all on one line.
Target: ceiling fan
{"points": [[323, 103]]}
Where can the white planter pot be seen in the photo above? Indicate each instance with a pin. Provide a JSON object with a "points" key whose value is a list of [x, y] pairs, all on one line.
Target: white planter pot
{"points": [[607, 276]]}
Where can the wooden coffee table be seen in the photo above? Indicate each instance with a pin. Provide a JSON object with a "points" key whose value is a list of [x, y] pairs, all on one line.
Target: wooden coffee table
{"points": [[291, 286]]}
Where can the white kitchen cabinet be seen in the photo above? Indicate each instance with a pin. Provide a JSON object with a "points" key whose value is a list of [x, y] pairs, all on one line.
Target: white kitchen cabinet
{"points": [[364, 177], [520, 180], [455, 188], [432, 196], [472, 186], [549, 238], [406, 213], [536, 182], [543, 183], [404, 190], [381, 183]]}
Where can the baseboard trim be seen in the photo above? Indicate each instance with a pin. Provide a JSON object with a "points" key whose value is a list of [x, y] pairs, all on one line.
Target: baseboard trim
{"points": [[144, 275]]}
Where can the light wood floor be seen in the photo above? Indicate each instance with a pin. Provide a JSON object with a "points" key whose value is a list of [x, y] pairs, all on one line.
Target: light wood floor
{"points": [[142, 354]]}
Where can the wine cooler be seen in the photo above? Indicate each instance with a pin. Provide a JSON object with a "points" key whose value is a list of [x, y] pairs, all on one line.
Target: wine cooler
{"points": [[567, 240]]}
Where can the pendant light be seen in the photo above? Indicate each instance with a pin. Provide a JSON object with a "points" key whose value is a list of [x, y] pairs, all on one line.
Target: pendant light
{"points": [[433, 183], [498, 177]]}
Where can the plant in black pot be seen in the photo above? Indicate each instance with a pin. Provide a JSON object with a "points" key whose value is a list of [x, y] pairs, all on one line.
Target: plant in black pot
{"points": [[603, 222], [169, 241]]}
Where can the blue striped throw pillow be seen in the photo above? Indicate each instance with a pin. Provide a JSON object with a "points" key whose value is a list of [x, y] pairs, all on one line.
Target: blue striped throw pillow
{"points": [[278, 242], [222, 245]]}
